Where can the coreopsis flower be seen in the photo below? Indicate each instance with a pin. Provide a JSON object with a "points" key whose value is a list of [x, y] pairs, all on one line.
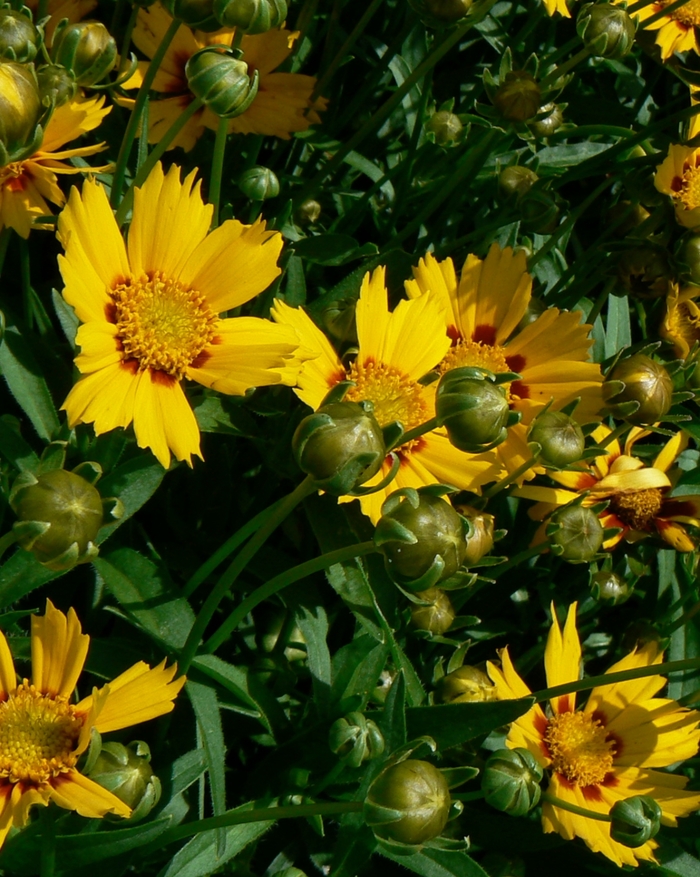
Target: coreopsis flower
{"points": [[678, 176], [281, 107], [44, 731], [607, 751], [676, 29], [26, 186], [681, 324], [639, 504], [150, 307], [482, 312], [396, 349]]}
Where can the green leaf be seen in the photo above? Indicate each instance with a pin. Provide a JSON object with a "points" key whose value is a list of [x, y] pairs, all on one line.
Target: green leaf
{"points": [[393, 719], [618, 332], [211, 738], [357, 667], [332, 249], [20, 575], [569, 155], [24, 378], [66, 316], [438, 863], [134, 482], [313, 623], [14, 448], [455, 723], [674, 860], [220, 414]]}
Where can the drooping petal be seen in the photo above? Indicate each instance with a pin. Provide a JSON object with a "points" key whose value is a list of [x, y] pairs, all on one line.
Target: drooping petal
{"points": [[674, 534], [8, 675], [59, 649], [104, 398], [669, 453], [562, 658], [163, 418], [72, 119], [73, 791], [281, 107], [439, 278]]}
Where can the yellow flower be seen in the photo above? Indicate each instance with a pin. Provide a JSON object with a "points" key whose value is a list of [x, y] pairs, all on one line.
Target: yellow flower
{"points": [[638, 504], [676, 29], [678, 175], [43, 731], [608, 750], [681, 325], [559, 6], [150, 309], [396, 349], [482, 312], [281, 107], [26, 186], [73, 10]]}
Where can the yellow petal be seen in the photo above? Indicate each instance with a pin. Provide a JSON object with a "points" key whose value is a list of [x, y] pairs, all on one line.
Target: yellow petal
{"points": [[59, 649], [104, 398], [281, 107], [8, 675], [610, 700], [164, 420], [439, 278], [73, 791], [655, 733], [99, 346], [670, 451], [562, 658]]}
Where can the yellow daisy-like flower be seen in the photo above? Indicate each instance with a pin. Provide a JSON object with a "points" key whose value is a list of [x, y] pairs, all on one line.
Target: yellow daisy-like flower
{"points": [[482, 311], [676, 29], [26, 186], [150, 307], [681, 324], [396, 349], [281, 107], [608, 750], [678, 175], [559, 6], [73, 10], [43, 731], [637, 494]]}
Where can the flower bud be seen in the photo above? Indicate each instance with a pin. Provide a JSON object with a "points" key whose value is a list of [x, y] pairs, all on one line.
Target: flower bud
{"points": [[20, 112], [125, 771], [516, 180], [259, 183], [511, 781], [548, 120], [356, 739], [56, 85], [645, 382], [222, 81], [608, 587], [559, 436], [606, 30], [340, 446], [437, 617], [251, 16], [466, 685], [538, 212], [421, 537], [625, 216], [479, 535], [446, 127], [690, 255], [635, 820], [408, 803], [645, 272], [197, 14], [19, 39], [338, 320], [86, 49], [473, 409], [575, 533], [438, 13], [518, 96], [308, 212]]}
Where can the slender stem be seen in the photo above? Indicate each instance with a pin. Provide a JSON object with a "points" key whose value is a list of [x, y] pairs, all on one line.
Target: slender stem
{"points": [[289, 577], [211, 604], [126, 42], [217, 169], [615, 434], [509, 479], [47, 866], [416, 432], [682, 619], [6, 541], [600, 301], [517, 559], [5, 236], [573, 808], [667, 10], [564, 68], [25, 274], [135, 118]]}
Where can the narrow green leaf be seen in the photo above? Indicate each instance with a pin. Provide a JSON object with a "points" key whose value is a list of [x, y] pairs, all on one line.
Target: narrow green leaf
{"points": [[206, 710], [24, 378], [14, 448], [313, 623], [393, 719], [357, 667], [455, 723], [438, 863], [618, 332], [20, 575], [134, 482]]}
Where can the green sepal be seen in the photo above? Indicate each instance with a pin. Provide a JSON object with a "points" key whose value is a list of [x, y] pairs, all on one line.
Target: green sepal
{"points": [[337, 392], [392, 433], [113, 508], [52, 457], [23, 480], [27, 532], [380, 485], [456, 776], [91, 472], [390, 530], [93, 751]]}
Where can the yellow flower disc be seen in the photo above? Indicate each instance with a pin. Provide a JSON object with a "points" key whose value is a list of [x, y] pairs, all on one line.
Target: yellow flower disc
{"points": [[637, 508], [579, 748], [688, 14]]}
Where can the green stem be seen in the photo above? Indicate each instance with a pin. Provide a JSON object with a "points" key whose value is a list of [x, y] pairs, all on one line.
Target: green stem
{"points": [[667, 10], [615, 434], [564, 68], [25, 275], [509, 479], [7, 541], [600, 301], [217, 169], [278, 583], [126, 42], [249, 550], [517, 559], [135, 118], [682, 619], [5, 236], [573, 808], [47, 866], [416, 432]]}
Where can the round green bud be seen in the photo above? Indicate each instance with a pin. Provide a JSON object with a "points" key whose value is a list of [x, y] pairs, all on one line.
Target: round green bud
{"points": [[421, 537], [340, 446], [356, 739], [635, 820], [125, 771], [479, 536], [466, 685], [56, 84], [338, 320], [538, 212], [548, 120], [608, 587], [518, 96], [446, 127], [559, 436], [576, 533], [408, 803], [511, 781], [438, 13], [222, 81], [645, 272], [86, 49], [646, 382], [625, 217], [308, 212], [437, 617], [474, 410], [197, 14], [19, 39], [251, 16], [606, 30], [690, 256], [259, 183], [516, 180], [21, 112]]}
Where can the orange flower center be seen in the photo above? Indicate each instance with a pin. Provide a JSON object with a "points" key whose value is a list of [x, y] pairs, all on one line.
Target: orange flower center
{"points": [[689, 195], [637, 508], [579, 747], [38, 735], [476, 354], [688, 14], [162, 324]]}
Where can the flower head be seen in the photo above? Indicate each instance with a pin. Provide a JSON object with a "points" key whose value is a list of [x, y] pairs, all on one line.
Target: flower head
{"points": [[676, 30], [43, 731], [608, 750], [150, 307], [73, 10], [681, 325], [678, 175]]}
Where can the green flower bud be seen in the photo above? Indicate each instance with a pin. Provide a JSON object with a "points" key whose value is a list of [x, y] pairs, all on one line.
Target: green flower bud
{"points": [[408, 803], [338, 320], [575, 533], [125, 771], [608, 587], [645, 271], [559, 436], [251, 16], [356, 739], [56, 84], [635, 820], [86, 49], [549, 119], [446, 127], [221, 80], [645, 382], [690, 255], [466, 685], [197, 14], [259, 183], [19, 39], [625, 216], [479, 536], [438, 13], [518, 96], [606, 30], [473, 409], [538, 212], [516, 180], [340, 446], [438, 616], [21, 112], [511, 781], [308, 212], [421, 537]]}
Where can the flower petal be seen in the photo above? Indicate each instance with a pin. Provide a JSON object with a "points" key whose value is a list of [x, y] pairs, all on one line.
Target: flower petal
{"points": [[8, 674], [562, 658], [73, 791], [163, 418], [59, 649], [610, 700]]}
